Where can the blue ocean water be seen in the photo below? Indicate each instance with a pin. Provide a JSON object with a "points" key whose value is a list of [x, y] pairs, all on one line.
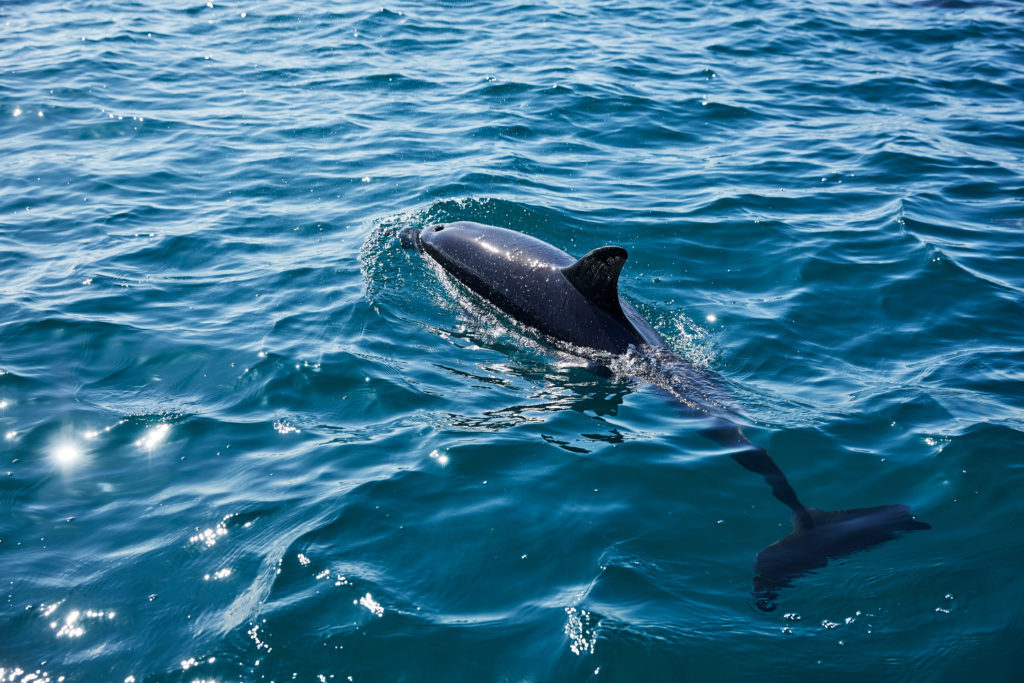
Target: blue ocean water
{"points": [[247, 437]]}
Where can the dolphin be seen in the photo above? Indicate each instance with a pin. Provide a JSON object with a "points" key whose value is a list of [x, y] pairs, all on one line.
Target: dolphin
{"points": [[575, 304]]}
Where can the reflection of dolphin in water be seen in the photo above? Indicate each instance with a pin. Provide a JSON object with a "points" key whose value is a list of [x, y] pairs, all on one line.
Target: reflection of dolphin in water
{"points": [[577, 302]]}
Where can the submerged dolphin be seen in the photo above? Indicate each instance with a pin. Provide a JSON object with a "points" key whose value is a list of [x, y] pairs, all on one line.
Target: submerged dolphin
{"points": [[577, 302]]}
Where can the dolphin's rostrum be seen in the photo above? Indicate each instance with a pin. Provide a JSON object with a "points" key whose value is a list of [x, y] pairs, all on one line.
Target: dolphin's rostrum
{"points": [[577, 302]]}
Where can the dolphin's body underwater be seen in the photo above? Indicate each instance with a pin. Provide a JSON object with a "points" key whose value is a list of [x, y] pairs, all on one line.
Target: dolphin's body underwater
{"points": [[576, 302]]}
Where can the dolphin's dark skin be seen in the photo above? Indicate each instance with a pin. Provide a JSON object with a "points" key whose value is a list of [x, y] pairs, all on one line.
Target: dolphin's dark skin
{"points": [[576, 302]]}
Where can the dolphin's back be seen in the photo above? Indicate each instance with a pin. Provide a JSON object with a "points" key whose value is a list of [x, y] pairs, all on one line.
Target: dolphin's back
{"points": [[523, 276]]}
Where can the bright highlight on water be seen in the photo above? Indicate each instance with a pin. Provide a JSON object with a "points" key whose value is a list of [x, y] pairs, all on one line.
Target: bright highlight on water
{"points": [[67, 454]]}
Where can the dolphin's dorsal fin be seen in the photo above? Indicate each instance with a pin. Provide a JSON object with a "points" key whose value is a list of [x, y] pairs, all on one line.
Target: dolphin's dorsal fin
{"points": [[596, 276]]}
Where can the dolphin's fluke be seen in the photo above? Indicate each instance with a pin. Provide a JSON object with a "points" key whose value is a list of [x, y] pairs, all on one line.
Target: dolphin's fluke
{"points": [[833, 534]]}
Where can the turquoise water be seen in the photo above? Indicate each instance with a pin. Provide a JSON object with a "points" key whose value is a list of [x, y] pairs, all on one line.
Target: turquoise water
{"points": [[246, 436]]}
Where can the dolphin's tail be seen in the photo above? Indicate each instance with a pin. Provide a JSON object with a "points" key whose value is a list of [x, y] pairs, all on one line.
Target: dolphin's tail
{"points": [[818, 536], [829, 536]]}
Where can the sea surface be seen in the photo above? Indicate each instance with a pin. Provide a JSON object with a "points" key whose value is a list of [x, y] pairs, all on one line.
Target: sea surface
{"points": [[245, 436]]}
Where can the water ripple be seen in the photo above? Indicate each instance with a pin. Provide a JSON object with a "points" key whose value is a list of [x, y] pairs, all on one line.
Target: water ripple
{"points": [[246, 436]]}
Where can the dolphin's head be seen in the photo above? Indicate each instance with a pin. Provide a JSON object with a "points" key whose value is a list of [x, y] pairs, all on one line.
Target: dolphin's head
{"points": [[464, 246], [409, 238], [441, 234], [433, 239], [444, 237], [414, 238]]}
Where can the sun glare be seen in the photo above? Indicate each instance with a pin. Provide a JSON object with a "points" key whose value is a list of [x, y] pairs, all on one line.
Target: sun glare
{"points": [[154, 436], [67, 454]]}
